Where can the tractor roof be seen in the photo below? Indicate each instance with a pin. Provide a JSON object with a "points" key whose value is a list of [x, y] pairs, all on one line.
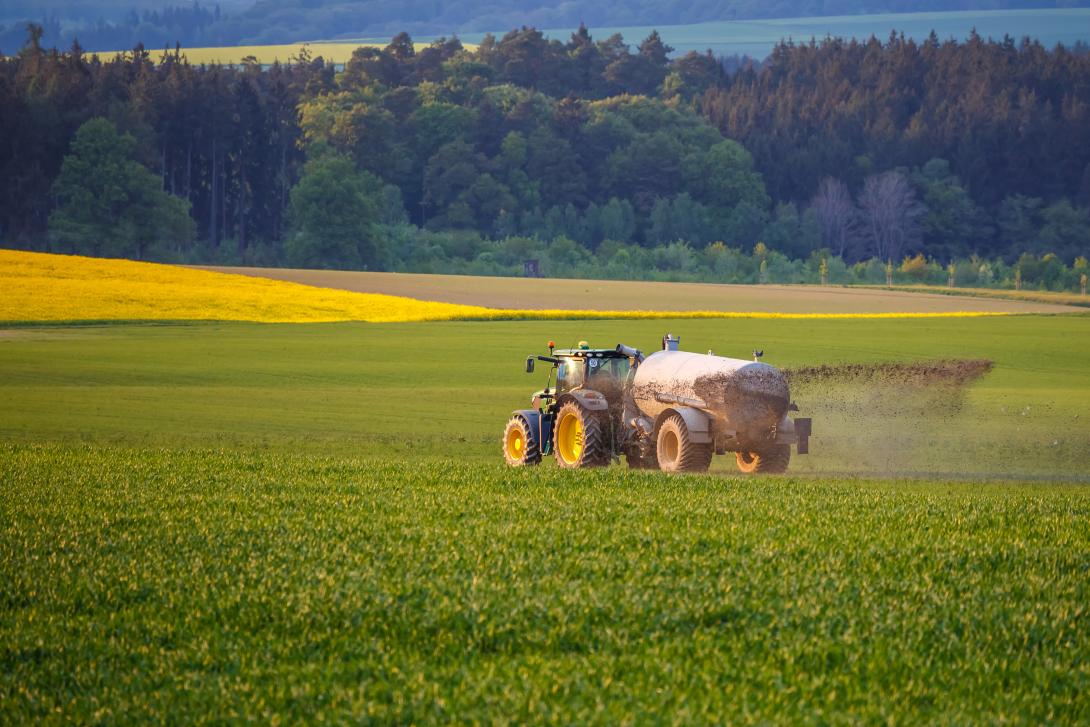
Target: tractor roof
{"points": [[589, 352]]}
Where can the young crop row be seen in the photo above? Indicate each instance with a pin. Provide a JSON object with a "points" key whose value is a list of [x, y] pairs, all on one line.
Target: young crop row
{"points": [[43, 287], [153, 585]]}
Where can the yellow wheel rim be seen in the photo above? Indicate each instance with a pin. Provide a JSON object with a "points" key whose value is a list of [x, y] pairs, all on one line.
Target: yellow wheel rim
{"points": [[747, 461], [569, 438], [516, 443]]}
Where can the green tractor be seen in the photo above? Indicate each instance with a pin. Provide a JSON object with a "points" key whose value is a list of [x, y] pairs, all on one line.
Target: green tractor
{"points": [[571, 420]]}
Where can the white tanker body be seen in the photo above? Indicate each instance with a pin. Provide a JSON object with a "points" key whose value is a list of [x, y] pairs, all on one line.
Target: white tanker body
{"points": [[748, 398], [682, 407]]}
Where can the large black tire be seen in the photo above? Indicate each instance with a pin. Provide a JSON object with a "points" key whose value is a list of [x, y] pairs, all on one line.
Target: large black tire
{"points": [[676, 452], [771, 461], [520, 445], [579, 438]]}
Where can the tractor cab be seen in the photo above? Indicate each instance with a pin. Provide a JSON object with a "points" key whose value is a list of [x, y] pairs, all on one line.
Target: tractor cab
{"points": [[601, 370], [604, 370]]}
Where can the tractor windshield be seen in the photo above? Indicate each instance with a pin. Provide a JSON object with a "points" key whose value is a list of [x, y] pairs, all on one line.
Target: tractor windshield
{"points": [[615, 369], [570, 374], [607, 375]]}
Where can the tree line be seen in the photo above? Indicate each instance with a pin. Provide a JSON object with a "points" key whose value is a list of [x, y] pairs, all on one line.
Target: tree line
{"points": [[981, 144], [442, 156]]}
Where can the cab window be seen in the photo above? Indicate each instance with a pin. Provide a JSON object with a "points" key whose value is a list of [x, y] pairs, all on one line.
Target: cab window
{"points": [[607, 375], [570, 374]]}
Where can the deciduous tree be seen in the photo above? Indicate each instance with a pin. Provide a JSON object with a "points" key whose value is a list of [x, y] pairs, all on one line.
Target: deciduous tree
{"points": [[333, 213], [891, 215], [110, 204]]}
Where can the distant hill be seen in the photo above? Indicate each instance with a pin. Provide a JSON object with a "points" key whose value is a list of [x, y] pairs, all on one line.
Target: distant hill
{"points": [[113, 24]]}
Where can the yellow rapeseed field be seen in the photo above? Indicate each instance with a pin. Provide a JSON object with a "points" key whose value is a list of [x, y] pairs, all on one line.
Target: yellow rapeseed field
{"points": [[47, 287], [265, 54], [332, 52], [44, 287]]}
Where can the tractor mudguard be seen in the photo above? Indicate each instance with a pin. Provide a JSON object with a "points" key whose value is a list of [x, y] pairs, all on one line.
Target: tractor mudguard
{"points": [[589, 399], [697, 422], [540, 427]]}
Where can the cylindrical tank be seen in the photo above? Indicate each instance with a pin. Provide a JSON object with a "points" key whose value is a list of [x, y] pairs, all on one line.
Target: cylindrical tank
{"points": [[750, 397]]}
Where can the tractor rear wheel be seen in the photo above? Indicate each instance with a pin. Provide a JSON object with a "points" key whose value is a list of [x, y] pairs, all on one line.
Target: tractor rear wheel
{"points": [[676, 452], [773, 460], [578, 438], [520, 446]]}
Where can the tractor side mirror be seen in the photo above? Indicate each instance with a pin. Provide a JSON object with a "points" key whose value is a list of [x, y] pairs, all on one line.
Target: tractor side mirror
{"points": [[529, 364]]}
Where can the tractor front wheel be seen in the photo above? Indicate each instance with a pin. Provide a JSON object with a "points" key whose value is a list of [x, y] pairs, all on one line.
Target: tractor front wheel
{"points": [[773, 460], [578, 439], [676, 452], [520, 447]]}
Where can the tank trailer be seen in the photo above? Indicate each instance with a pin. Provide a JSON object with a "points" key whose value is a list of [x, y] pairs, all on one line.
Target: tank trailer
{"points": [[671, 410]]}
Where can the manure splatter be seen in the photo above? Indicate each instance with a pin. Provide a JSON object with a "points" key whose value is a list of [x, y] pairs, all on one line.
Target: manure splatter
{"points": [[944, 372], [935, 387], [887, 418]]}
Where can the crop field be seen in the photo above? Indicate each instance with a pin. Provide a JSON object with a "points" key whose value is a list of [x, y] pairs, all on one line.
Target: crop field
{"points": [[224, 520], [756, 38], [205, 585], [1039, 296], [601, 295], [332, 51], [43, 287], [442, 389], [337, 53]]}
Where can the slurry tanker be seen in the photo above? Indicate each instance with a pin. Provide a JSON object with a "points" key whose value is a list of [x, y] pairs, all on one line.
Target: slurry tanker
{"points": [[671, 410]]}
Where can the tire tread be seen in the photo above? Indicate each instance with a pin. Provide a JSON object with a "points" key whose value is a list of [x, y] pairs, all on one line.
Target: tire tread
{"points": [[532, 455]]}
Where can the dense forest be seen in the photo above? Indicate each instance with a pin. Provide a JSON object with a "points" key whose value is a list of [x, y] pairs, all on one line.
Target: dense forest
{"points": [[114, 24], [592, 157]]}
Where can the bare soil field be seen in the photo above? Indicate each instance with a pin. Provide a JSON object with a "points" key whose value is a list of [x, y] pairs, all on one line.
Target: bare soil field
{"points": [[545, 293]]}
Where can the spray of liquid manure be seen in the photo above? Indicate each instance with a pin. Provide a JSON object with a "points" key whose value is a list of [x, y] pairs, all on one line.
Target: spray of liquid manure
{"points": [[896, 418]]}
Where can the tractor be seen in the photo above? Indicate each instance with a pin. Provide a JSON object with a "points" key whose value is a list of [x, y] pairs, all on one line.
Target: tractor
{"points": [[671, 410]]}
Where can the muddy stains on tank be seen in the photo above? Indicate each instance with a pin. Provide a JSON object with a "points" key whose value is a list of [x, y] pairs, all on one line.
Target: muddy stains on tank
{"points": [[752, 399], [746, 396]]}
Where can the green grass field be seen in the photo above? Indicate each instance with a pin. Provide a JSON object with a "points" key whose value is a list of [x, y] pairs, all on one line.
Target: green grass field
{"points": [[756, 38], [227, 521], [214, 586], [437, 390]]}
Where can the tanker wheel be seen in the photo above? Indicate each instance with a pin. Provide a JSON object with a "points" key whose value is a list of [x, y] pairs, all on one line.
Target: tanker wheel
{"points": [[676, 452], [578, 440], [773, 460], [520, 447]]}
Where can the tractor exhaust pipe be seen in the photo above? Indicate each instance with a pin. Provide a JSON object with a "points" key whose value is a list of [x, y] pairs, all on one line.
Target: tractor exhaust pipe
{"points": [[633, 353]]}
